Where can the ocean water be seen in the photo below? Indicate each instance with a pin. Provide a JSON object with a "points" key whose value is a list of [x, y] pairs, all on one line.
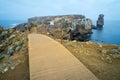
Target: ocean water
{"points": [[10, 23], [110, 33]]}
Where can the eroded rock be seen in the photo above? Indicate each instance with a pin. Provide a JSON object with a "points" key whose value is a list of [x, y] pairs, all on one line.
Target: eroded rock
{"points": [[100, 21]]}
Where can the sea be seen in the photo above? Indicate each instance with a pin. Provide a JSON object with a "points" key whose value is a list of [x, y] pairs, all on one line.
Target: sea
{"points": [[109, 34], [11, 23]]}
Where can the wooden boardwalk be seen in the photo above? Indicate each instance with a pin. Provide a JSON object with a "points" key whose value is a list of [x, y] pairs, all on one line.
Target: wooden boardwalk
{"points": [[49, 60]]}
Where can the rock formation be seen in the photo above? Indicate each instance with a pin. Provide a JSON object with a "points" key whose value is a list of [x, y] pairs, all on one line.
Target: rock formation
{"points": [[81, 29], [56, 19], [79, 26], [100, 21]]}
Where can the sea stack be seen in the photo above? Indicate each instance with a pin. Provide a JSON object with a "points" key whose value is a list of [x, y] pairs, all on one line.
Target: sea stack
{"points": [[100, 21]]}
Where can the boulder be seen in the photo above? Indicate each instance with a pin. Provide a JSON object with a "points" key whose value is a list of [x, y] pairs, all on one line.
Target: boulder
{"points": [[9, 42], [12, 36], [3, 47], [108, 58], [17, 43], [1, 57], [11, 30], [4, 69], [10, 51], [115, 53], [104, 51], [4, 35], [18, 48], [118, 48]]}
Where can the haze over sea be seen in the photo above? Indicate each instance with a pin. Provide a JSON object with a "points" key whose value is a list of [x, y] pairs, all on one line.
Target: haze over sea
{"points": [[109, 34]]}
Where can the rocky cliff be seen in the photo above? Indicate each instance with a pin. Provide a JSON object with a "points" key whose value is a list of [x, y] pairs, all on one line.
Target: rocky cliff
{"points": [[55, 19], [79, 26]]}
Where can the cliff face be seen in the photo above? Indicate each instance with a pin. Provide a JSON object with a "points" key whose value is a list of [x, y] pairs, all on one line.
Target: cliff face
{"points": [[55, 19], [79, 26]]}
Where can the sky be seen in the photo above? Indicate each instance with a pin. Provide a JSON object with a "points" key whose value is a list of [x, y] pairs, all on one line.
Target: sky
{"points": [[24, 9]]}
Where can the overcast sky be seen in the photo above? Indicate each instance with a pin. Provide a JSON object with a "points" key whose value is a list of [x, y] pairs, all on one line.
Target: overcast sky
{"points": [[23, 9]]}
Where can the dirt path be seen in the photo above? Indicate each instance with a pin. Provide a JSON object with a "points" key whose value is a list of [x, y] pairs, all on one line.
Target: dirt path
{"points": [[49, 60]]}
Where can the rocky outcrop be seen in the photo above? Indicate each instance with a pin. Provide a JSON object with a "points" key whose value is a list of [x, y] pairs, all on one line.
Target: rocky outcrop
{"points": [[56, 19], [77, 26], [81, 29], [11, 43], [100, 21]]}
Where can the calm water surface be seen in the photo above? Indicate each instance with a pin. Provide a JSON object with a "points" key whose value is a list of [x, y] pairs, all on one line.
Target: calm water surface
{"points": [[109, 34]]}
